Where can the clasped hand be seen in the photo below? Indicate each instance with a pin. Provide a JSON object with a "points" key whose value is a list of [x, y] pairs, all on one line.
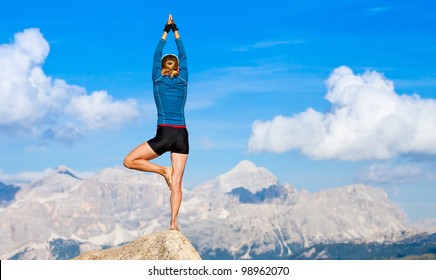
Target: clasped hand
{"points": [[170, 25]]}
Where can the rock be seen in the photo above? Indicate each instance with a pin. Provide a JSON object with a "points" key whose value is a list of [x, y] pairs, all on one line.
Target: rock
{"points": [[166, 245]]}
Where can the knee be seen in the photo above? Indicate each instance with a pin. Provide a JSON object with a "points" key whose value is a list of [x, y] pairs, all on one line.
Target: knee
{"points": [[176, 190], [127, 163], [177, 183]]}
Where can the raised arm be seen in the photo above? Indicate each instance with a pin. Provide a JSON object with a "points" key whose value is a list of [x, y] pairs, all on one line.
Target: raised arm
{"points": [[157, 58], [183, 58]]}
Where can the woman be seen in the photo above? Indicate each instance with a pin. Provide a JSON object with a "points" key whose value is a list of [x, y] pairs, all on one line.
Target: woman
{"points": [[170, 81]]}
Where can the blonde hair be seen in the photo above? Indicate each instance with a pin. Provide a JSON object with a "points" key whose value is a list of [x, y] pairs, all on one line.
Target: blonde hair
{"points": [[170, 66]]}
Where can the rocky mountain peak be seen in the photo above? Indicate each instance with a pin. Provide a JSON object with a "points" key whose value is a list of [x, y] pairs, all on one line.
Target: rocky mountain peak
{"points": [[248, 175], [62, 169]]}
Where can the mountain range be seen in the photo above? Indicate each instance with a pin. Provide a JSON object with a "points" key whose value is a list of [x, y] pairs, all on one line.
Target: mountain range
{"points": [[245, 213]]}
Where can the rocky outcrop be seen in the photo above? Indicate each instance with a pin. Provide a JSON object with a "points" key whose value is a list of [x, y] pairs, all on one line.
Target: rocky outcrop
{"points": [[166, 245]]}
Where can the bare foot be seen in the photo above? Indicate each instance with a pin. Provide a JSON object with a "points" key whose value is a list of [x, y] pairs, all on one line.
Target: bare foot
{"points": [[168, 176], [174, 227]]}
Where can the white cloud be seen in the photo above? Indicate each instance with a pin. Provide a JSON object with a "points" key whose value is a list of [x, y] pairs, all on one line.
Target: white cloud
{"points": [[98, 110], [33, 103], [367, 120], [33, 176], [24, 176], [388, 174]]}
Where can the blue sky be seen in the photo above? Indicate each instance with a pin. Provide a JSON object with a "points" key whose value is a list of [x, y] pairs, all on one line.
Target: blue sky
{"points": [[322, 93]]}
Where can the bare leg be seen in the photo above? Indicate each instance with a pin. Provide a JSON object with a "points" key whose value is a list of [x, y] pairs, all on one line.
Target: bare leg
{"points": [[139, 159], [178, 162]]}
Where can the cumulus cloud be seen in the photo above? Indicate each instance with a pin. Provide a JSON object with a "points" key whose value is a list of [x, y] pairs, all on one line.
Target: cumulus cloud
{"points": [[33, 103], [98, 110], [367, 120]]}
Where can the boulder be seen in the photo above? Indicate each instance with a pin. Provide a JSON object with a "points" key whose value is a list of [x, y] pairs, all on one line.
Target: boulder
{"points": [[166, 245]]}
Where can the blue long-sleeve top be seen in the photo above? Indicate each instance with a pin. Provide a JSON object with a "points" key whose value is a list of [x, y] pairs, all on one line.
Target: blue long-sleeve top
{"points": [[170, 94]]}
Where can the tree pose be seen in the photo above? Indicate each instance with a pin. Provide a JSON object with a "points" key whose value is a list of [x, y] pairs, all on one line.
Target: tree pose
{"points": [[170, 83]]}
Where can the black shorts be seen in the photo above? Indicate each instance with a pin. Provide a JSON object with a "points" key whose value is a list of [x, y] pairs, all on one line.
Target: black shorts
{"points": [[170, 139]]}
